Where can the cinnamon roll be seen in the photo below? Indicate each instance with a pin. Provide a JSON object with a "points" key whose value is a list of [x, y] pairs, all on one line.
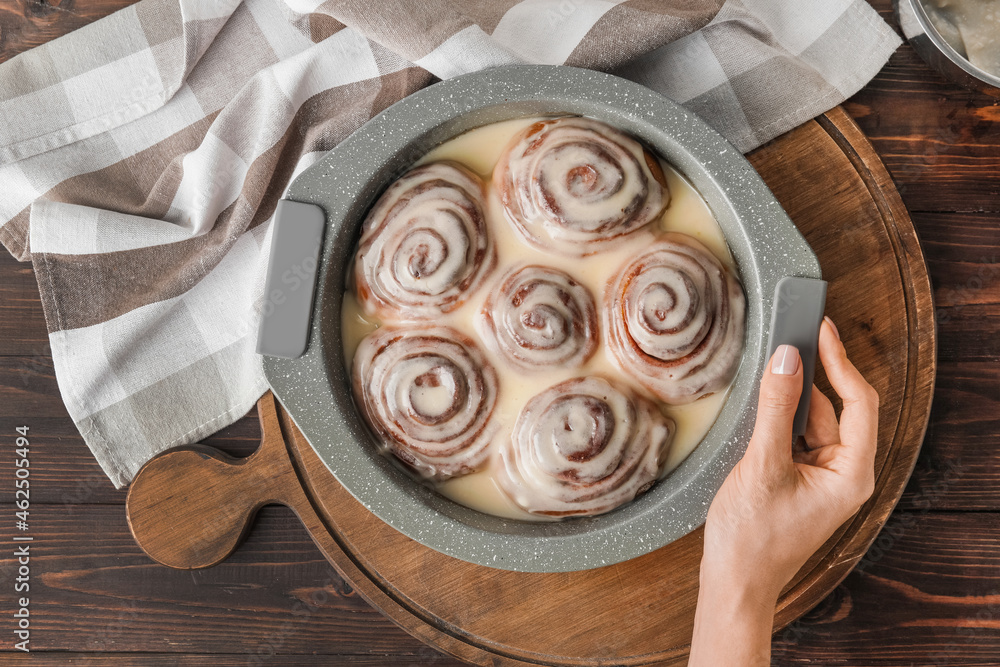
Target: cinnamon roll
{"points": [[541, 318], [675, 320], [429, 393], [576, 186], [424, 246], [583, 447]]}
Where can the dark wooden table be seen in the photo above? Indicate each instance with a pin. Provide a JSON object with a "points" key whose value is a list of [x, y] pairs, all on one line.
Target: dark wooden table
{"points": [[927, 593]]}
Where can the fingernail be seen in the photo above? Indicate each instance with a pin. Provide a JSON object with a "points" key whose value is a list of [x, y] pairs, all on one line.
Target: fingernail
{"points": [[785, 361], [833, 326]]}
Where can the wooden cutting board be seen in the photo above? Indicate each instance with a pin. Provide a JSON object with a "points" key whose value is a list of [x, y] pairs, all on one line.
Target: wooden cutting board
{"points": [[640, 612]]}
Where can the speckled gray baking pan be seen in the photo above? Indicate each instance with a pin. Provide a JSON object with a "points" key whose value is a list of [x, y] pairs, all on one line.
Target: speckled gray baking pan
{"points": [[315, 388]]}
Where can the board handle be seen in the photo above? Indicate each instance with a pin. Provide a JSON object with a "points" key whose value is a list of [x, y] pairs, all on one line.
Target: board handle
{"points": [[190, 507]]}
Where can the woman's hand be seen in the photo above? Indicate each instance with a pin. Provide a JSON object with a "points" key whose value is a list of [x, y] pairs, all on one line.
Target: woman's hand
{"points": [[778, 506]]}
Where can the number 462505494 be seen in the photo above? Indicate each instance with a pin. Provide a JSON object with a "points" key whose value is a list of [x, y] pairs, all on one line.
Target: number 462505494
{"points": [[22, 484]]}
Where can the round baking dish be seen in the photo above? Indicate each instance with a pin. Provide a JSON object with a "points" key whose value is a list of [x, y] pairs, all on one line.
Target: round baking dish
{"points": [[315, 389]]}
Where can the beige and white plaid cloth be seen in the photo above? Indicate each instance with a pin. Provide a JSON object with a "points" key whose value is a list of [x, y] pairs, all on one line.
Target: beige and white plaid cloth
{"points": [[141, 157]]}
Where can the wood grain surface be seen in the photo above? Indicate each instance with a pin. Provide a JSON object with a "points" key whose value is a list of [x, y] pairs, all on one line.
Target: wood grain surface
{"points": [[638, 612], [926, 593]]}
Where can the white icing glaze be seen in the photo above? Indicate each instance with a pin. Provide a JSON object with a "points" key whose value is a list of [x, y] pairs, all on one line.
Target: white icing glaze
{"points": [[583, 447], [540, 318], [575, 186], [429, 393], [480, 150], [675, 319], [424, 245]]}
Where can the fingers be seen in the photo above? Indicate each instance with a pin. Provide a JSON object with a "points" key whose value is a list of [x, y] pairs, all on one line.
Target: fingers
{"points": [[859, 419], [847, 381], [822, 428], [780, 389]]}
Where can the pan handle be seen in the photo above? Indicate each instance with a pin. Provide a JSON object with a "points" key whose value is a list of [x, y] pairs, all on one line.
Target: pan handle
{"points": [[796, 317], [191, 506], [290, 285]]}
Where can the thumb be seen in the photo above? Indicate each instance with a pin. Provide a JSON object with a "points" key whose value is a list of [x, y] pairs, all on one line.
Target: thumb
{"points": [[780, 389]]}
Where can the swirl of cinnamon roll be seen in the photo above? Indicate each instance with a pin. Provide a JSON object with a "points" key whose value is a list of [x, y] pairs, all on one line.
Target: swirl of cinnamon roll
{"points": [[424, 246], [429, 393], [675, 319], [576, 186], [541, 318], [583, 447]]}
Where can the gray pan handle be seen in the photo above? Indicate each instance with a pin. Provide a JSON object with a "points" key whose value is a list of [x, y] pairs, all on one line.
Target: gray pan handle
{"points": [[290, 286], [795, 320]]}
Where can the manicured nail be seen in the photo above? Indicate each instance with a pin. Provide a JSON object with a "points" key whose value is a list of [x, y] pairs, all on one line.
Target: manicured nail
{"points": [[833, 326], [785, 360]]}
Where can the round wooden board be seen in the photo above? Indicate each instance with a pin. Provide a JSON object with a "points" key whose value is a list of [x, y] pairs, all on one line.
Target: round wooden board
{"points": [[835, 188], [640, 612]]}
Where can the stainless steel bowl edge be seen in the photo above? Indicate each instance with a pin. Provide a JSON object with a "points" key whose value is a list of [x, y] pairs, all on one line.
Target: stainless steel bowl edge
{"points": [[939, 54]]}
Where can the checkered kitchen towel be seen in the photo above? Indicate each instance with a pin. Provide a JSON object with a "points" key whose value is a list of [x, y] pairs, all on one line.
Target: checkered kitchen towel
{"points": [[141, 156]]}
